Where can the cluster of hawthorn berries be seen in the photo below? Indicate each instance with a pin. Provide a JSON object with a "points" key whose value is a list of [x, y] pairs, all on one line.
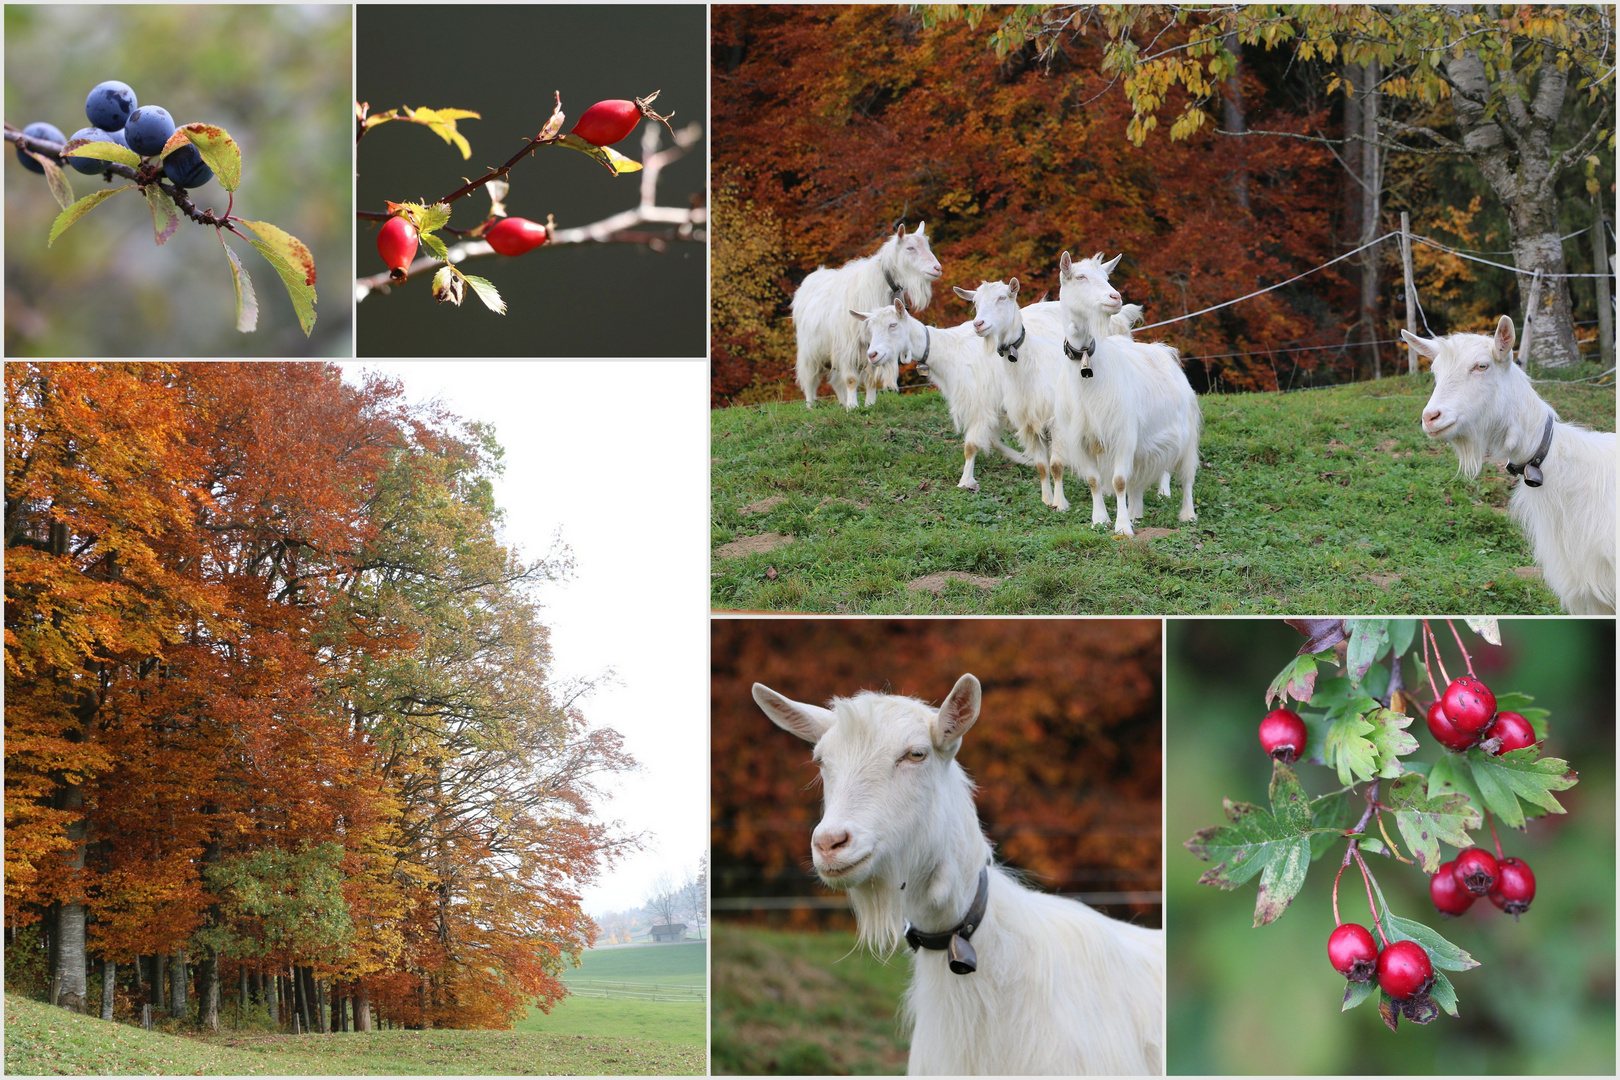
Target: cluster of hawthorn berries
{"points": [[1462, 717]]}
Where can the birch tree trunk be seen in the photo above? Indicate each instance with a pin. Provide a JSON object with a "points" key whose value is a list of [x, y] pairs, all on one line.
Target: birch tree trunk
{"points": [[67, 977]]}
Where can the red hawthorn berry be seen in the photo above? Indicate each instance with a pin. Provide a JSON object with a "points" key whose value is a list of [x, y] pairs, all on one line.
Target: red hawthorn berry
{"points": [[1469, 704], [1404, 970], [1515, 887], [1475, 870], [1513, 731], [397, 242], [1282, 735], [1447, 892], [607, 122], [1352, 952], [1445, 732], [516, 236]]}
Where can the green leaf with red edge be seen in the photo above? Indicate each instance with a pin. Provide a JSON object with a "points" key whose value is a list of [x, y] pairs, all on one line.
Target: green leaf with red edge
{"points": [[487, 293], [219, 151], [1425, 821], [55, 179], [299, 278], [1296, 680], [292, 250], [1275, 844], [1519, 774], [73, 213], [101, 150], [165, 215], [247, 301]]}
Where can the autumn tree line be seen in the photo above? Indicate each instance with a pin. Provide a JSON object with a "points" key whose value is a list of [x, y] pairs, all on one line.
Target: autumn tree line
{"points": [[1220, 149], [280, 727]]}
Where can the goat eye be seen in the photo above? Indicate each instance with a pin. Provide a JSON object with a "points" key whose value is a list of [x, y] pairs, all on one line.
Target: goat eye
{"points": [[915, 755]]}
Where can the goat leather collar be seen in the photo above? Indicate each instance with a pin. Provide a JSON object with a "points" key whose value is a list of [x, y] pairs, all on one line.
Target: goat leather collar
{"points": [[1532, 468], [963, 960], [1072, 353], [922, 361], [894, 286], [1011, 351]]}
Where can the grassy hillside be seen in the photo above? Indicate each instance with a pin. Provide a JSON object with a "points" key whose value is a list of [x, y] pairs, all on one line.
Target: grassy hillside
{"points": [[804, 1003], [1322, 501], [41, 1040], [645, 992]]}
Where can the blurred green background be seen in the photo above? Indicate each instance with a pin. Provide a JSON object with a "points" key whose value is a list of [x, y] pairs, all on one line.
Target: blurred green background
{"points": [[278, 79], [579, 300], [1265, 1001]]}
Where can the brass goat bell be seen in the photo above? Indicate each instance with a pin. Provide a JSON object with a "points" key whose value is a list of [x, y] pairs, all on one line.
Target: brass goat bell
{"points": [[963, 960], [1532, 476]]}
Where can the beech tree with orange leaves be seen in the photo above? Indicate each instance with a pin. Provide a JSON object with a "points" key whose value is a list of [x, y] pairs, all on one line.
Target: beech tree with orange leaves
{"points": [[279, 705]]}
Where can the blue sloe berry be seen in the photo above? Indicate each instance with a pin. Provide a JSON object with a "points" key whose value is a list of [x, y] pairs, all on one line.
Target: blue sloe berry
{"points": [[110, 104], [186, 168], [38, 130], [148, 129], [91, 166]]}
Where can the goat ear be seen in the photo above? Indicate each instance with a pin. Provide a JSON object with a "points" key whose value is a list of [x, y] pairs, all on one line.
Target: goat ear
{"points": [[959, 712], [1502, 342], [808, 722], [899, 305], [1012, 287], [900, 230], [1423, 346], [964, 294], [861, 315], [1065, 267], [1108, 267]]}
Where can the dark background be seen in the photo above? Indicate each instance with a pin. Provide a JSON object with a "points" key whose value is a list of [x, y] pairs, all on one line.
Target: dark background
{"points": [[504, 62], [1264, 1001]]}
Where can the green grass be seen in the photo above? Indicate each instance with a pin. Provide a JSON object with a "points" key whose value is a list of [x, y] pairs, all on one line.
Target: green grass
{"points": [[804, 1003], [1322, 501], [683, 965], [41, 1040]]}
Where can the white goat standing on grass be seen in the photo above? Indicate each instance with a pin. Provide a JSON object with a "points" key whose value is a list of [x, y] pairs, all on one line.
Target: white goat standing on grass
{"points": [[1008, 981], [1030, 379], [832, 346], [1127, 414], [1485, 406]]}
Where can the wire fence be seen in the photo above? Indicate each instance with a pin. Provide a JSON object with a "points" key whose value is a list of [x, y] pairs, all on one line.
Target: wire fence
{"points": [[1153, 897], [633, 991]]}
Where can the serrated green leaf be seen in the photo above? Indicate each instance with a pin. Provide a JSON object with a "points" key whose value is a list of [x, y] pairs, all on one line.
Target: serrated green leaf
{"points": [[1331, 815], [1444, 994], [435, 246], [1504, 780], [101, 150], [1487, 629], [73, 213], [219, 151], [1442, 953], [1390, 741], [301, 294], [487, 293], [55, 179], [1401, 632], [1450, 775], [1424, 821], [1347, 749], [1368, 637], [433, 218], [1297, 680], [165, 215], [1276, 845], [1357, 992], [247, 301], [1513, 701]]}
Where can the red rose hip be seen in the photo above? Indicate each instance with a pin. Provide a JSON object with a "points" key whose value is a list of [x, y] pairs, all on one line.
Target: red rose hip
{"points": [[607, 122], [1469, 704], [1445, 732], [1282, 735], [1513, 731], [397, 242], [1352, 952], [516, 236], [1447, 892], [1404, 970], [1515, 887], [1475, 870]]}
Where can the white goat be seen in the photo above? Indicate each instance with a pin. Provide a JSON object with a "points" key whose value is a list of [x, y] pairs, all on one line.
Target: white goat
{"points": [[1030, 379], [1036, 983], [833, 347], [1485, 406], [1127, 414], [956, 362]]}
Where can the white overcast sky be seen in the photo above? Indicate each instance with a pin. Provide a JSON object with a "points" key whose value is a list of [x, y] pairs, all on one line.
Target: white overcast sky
{"points": [[612, 453]]}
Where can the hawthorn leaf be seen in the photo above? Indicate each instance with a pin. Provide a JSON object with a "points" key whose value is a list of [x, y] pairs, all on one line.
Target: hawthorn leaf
{"points": [[1297, 680], [1401, 632], [1444, 994], [1513, 701], [1357, 992], [1320, 634], [1424, 821], [1390, 741], [1331, 815], [73, 213], [1486, 628], [101, 150], [1316, 727], [1519, 774], [1368, 638], [301, 294], [1274, 844], [165, 215], [55, 179], [247, 301], [1450, 775], [219, 151], [1347, 749], [1442, 953], [490, 295]]}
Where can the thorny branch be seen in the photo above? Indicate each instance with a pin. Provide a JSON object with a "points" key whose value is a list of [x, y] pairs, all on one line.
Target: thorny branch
{"points": [[113, 168], [621, 228]]}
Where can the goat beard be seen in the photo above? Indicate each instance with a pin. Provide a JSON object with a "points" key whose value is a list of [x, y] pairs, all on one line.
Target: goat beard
{"points": [[880, 920], [1470, 454]]}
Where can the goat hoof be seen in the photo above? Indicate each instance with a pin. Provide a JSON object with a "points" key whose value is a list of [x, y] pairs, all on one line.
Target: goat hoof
{"points": [[968, 485]]}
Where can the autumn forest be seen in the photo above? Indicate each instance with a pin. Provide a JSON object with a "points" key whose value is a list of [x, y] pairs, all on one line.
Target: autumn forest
{"points": [[281, 737]]}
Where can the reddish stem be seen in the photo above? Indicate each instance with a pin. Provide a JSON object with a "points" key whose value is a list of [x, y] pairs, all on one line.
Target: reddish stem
{"points": [[1366, 879], [1469, 660], [1428, 665], [1444, 674], [1494, 838], [1336, 920]]}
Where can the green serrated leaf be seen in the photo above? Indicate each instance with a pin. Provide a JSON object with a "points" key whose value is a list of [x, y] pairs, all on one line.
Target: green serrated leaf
{"points": [[165, 215], [1450, 775], [219, 151], [302, 295], [247, 301], [1357, 992], [433, 218], [1401, 632], [55, 179], [1368, 638], [1513, 701], [1504, 780], [1347, 749], [101, 150], [1424, 821], [1444, 994], [1297, 680], [487, 293], [79, 209], [1275, 845], [1442, 953], [1331, 815], [1487, 629], [435, 246], [1390, 741]]}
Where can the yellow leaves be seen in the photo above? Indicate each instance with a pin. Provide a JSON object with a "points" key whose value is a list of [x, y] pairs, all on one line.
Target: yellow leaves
{"points": [[442, 122], [1187, 123]]}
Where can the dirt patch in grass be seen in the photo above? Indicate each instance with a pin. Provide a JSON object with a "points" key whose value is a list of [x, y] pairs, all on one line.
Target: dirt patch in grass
{"points": [[1383, 581], [1528, 573], [1153, 533], [752, 545], [763, 506], [935, 583]]}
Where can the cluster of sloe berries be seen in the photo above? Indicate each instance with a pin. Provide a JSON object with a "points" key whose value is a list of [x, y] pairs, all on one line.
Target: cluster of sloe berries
{"points": [[116, 117]]}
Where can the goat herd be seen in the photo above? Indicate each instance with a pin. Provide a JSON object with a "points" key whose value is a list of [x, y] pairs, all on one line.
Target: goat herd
{"points": [[1082, 396]]}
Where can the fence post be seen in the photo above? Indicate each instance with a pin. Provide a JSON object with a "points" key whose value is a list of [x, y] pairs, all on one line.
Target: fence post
{"points": [[1600, 265], [1529, 317], [1411, 289], [146, 1016]]}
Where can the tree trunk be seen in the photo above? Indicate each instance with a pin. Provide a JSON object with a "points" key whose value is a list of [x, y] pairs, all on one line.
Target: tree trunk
{"points": [[1600, 265], [320, 1000], [1233, 117], [158, 963], [362, 1006], [306, 997], [68, 976], [208, 990], [272, 996], [242, 999], [179, 984], [1513, 151], [109, 986]]}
